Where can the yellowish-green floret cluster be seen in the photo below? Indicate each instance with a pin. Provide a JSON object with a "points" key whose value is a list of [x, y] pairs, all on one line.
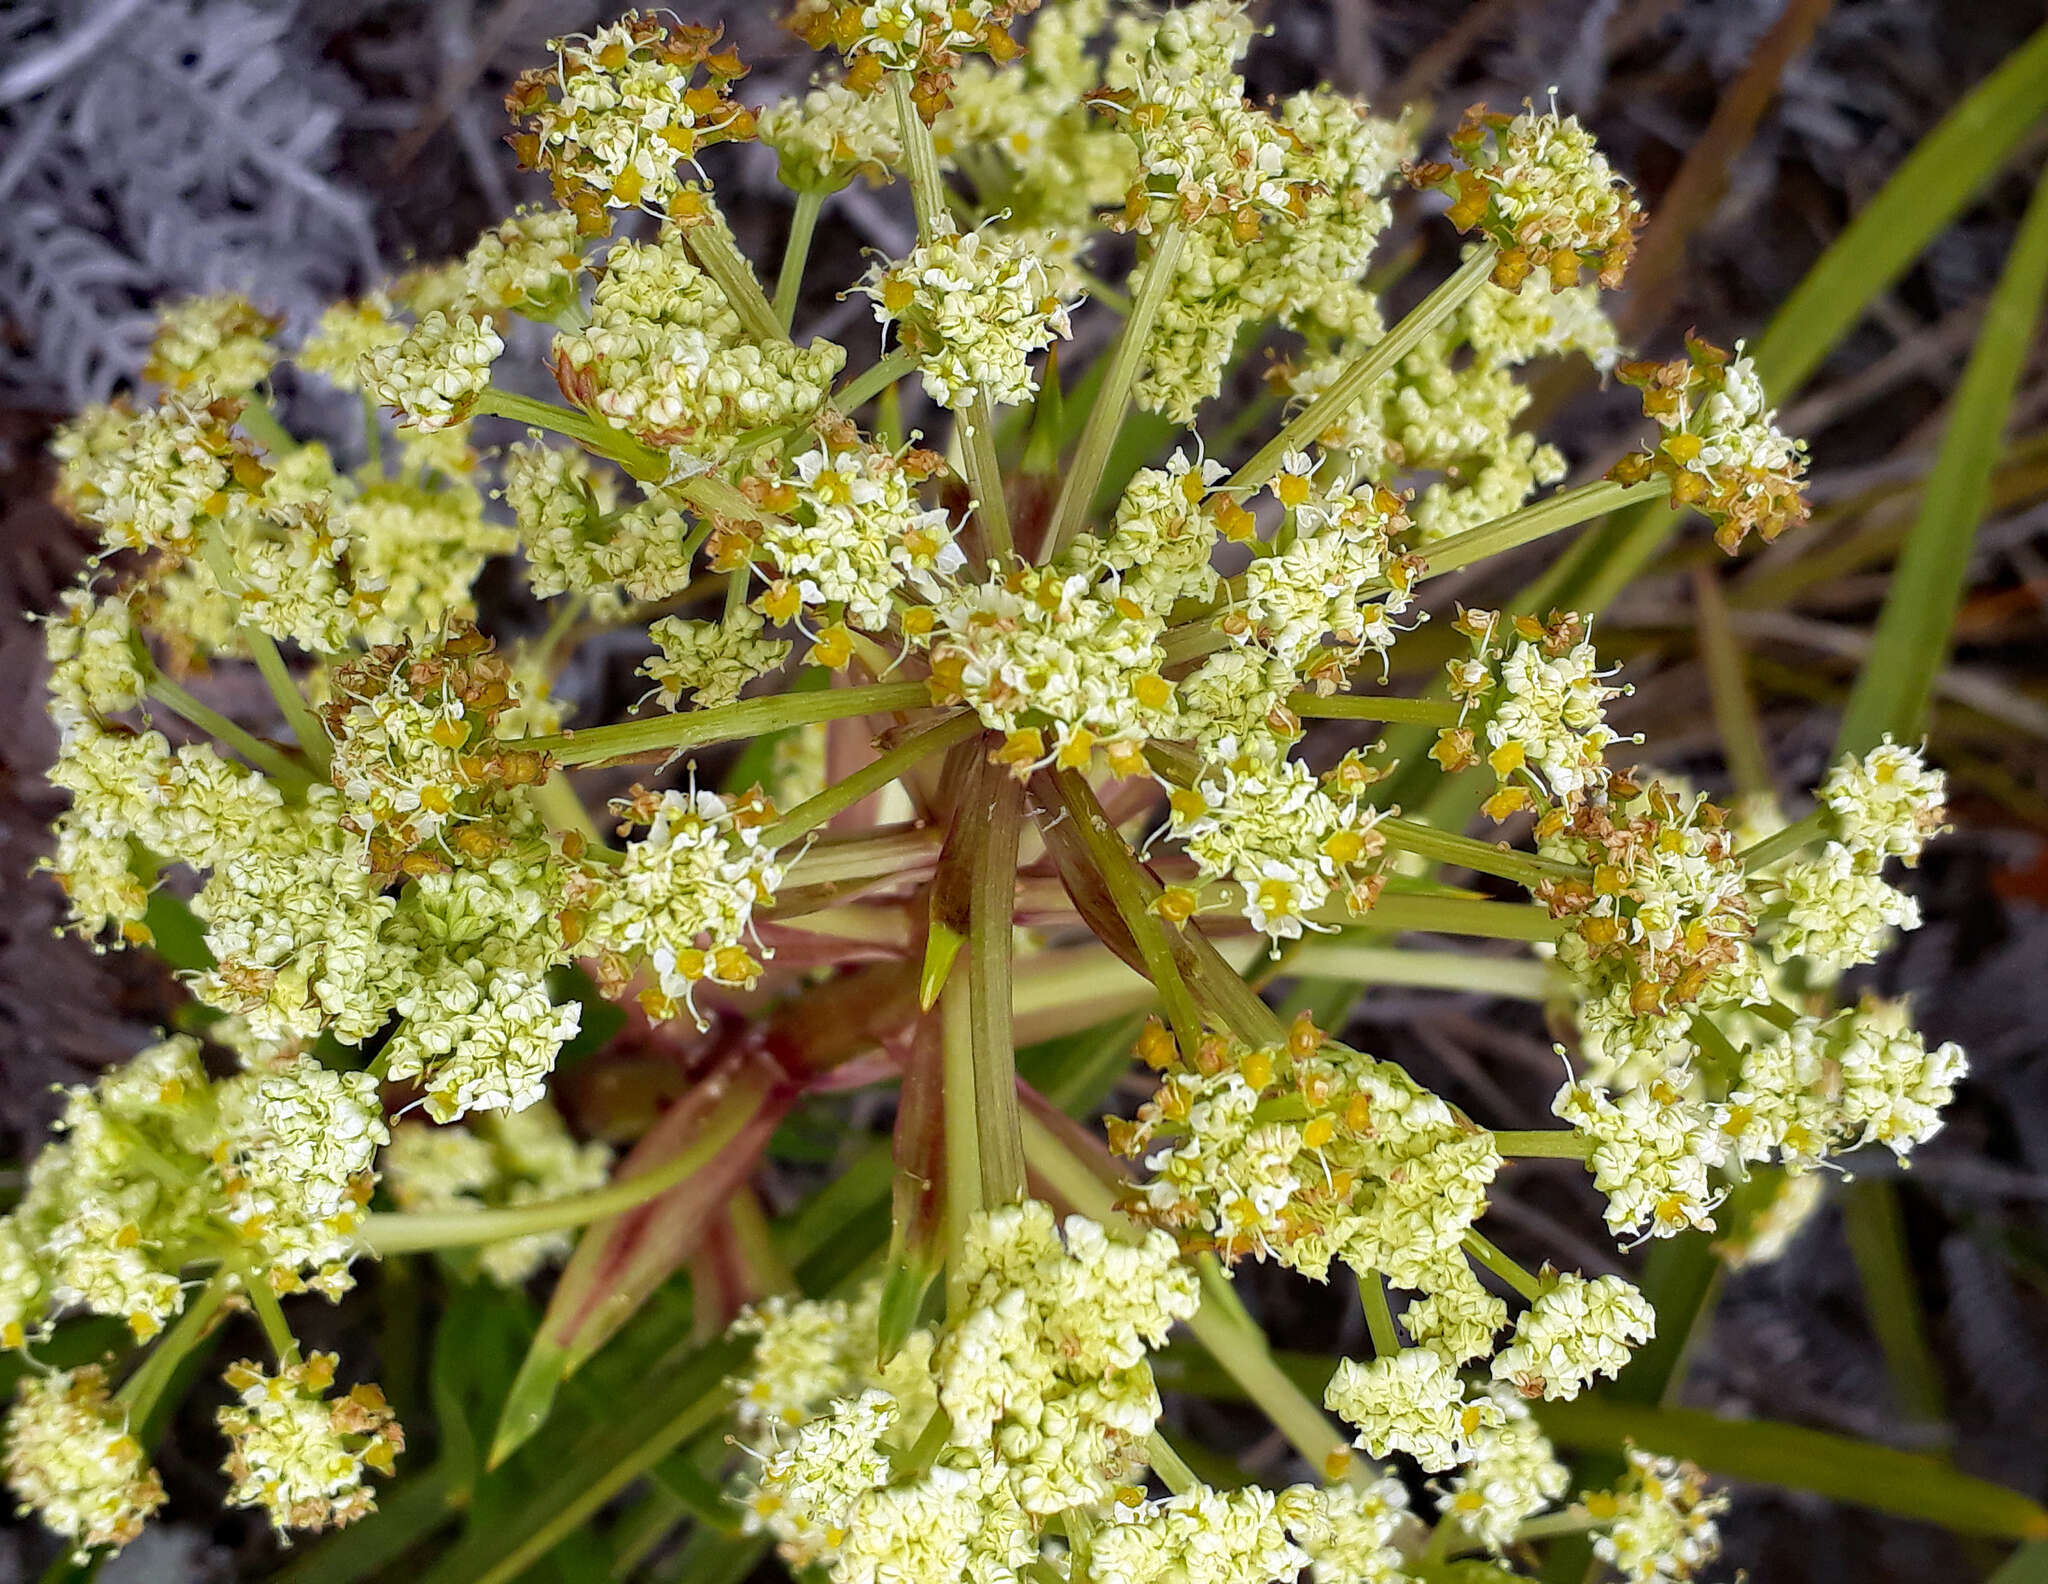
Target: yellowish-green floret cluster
{"points": [[963, 694]]}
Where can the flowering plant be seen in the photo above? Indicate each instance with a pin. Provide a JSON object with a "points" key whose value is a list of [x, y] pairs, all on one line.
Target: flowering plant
{"points": [[1032, 743]]}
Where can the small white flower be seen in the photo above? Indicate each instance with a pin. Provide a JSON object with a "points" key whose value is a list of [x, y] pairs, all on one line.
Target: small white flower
{"points": [[1411, 1401], [73, 1462], [434, 376], [973, 307], [1574, 1331], [300, 1455]]}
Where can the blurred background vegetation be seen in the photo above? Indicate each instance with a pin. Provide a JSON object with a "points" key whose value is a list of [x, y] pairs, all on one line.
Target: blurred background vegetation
{"points": [[1844, 182]]}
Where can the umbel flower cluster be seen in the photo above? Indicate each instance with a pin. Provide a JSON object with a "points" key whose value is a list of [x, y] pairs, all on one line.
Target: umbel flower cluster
{"points": [[1013, 705]]}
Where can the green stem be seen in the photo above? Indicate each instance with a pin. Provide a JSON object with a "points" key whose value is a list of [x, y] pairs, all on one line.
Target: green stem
{"points": [[271, 761], [667, 734], [1566, 509], [1379, 1315], [1370, 707], [1170, 1466], [871, 778], [563, 810], [1519, 979], [1437, 1551], [262, 426], [1503, 1267], [139, 1393], [1117, 866], [990, 933], [1784, 843], [873, 380], [964, 1198], [789, 280], [642, 461], [1543, 1144], [985, 476], [1468, 852], [1438, 915], [1876, 1231], [860, 858], [1113, 398], [712, 245], [414, 1232], [269, 1314], [1451, 915], [921, 160], [1363, 372], [1551, 1525], [305, 725], [1722, 1062]]}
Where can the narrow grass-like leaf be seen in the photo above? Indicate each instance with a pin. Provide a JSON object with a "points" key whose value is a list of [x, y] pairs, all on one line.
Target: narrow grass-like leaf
{"points": [[677, 1405], [1918, 620], [1904, 1484], [2027, 1565], [1765, 1451], [1742, 737], [1877, 1240], [1930, 187]]}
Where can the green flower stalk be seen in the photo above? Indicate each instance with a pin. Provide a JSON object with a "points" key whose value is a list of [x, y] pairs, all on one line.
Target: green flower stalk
{"points": [[1009, 759]]}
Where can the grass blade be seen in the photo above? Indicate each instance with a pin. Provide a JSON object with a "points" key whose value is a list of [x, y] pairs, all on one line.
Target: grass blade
{"points": [[1930, 187], [1916, 625], [1792, 1457]]}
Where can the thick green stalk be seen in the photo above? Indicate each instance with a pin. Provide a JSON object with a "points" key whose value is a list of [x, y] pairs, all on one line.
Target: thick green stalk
{"points": [[1452, 915], [1468, 852], [1364, 371], [273, 763], [872, 777], [1374, 707], [1566, 509], [1543, 1144], [1518, 979], [964, 1198], [1113, 398], [1876, 1229], [1735, 717], [269, 1313], [873, 380], [139, 1392], [1170, 1466], [992, 906], [1782, 844], [412, 1232], [642, 461], [1117, 868], [712, 245], [1503, 1267], [934, 219], [985, 476], [665, 734], [1379, 1316], [863, 857], [921, 161], [789, 280]]}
